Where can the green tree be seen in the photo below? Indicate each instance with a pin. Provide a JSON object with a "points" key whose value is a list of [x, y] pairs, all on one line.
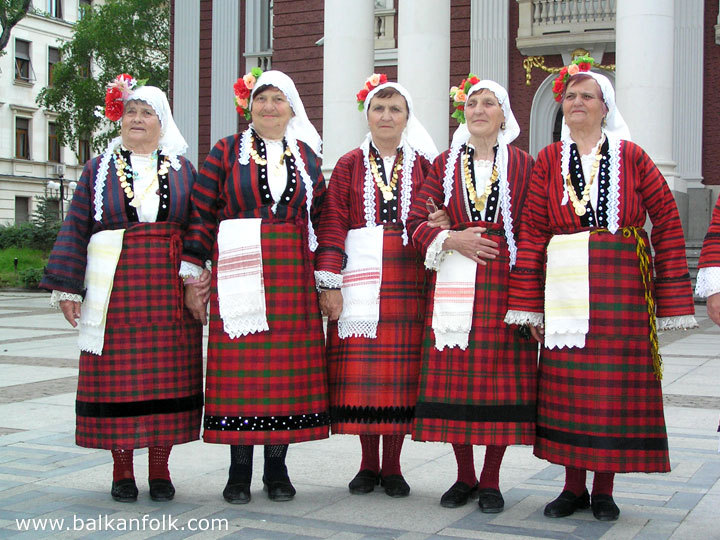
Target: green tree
{"points": [[11, 13], [120, 36]]}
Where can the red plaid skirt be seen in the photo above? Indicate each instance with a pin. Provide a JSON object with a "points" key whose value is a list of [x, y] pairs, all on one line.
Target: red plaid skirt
{"points": [[146, 387], [271, 387], [373, 382], [600, 407], [485, 394]]}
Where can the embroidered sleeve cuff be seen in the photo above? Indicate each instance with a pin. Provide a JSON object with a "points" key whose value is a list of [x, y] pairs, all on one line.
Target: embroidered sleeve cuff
{"points": [[682, 322], [708, 281], [524, 317], [58, 296], [327, 280], [188, 269], [435, 253]]}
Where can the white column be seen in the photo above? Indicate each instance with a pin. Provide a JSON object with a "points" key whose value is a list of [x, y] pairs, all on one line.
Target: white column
{"points": [[186, 69], [347, 61], [225, 67], [489, 26], [424, 62], [644, 78], [687, 135]]}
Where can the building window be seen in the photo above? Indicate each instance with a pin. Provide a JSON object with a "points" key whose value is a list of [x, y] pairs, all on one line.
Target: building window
{"points": [[53, 143], [22, 210], [258, 34], [83, 151], [84, 70], [53, 208], [23, 68], [53, 58], [54, 8], [22, 138], [557, 126], [84, 7]]}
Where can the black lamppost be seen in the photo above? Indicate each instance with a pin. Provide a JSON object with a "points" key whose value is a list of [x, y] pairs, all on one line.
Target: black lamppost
{"points": [[58, 189]]}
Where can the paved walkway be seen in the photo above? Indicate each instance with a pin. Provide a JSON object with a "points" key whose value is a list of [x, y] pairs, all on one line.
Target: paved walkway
{"points": [[44, 476]]}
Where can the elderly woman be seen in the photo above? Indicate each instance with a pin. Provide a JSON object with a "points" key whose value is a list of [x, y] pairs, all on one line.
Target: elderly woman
{"points": [[255, 204], [477, 383], [115, 268], [372, 286], [600, 402]]}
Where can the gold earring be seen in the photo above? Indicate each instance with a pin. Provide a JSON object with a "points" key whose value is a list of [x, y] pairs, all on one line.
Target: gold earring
{"points": [[502, 126]]}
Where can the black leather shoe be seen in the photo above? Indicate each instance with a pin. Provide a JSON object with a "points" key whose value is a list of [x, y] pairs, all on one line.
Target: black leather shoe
{"points": [[458, 495], [364, 482], [395, 485], [279, 490], [237, 492], [124, 490], [566, 504], [161, 490], [490, 501], [604, 508]]}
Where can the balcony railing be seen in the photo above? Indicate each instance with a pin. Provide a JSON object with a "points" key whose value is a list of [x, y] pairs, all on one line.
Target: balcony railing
{"points": [[547, 25]]}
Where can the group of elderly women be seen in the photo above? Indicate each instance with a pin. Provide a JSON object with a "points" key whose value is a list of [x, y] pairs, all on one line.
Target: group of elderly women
{"points": [[552, 250]]}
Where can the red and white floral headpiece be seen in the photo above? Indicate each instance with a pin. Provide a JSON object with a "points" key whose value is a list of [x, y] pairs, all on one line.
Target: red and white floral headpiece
{"points": [[117, 93], [372, 82], [459, 95], [580, 64]]}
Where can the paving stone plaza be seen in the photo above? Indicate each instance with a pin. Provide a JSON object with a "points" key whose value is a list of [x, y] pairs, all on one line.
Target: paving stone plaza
{"points": [[45, 480]]}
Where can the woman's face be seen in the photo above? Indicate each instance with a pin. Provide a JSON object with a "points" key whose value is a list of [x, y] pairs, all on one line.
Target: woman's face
{"points": [[583, 105], [483, 114], [387, 117], [271, 113], [140, 127]]}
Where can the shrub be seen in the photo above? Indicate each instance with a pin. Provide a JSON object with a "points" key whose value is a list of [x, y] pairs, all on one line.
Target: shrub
{"points": [[31, 277]]}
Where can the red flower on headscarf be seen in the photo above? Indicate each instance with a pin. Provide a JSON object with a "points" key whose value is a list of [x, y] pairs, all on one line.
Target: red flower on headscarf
{"points": [[114, 110]]}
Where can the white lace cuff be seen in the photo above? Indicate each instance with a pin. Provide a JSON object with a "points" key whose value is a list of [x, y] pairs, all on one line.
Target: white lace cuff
{"points": [[524, 317], [57, 296], [682, 322], [708, 281], [327, 280], [188, 269], [435, 253]]}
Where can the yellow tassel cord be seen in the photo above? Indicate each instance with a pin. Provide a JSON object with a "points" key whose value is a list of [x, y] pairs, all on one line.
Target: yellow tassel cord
{"points": [[644, 260]]}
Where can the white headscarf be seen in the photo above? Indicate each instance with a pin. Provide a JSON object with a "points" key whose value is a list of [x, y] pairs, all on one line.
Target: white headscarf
{"points": [[415, 138], [299, 128], [505, 136], [616, 130], [172, 144]]}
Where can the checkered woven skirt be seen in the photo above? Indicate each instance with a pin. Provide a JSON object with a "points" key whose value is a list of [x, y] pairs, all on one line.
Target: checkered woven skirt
{"points": [[485, 394], [600, 407], [271, 387], [373, 382], [146, 387]]}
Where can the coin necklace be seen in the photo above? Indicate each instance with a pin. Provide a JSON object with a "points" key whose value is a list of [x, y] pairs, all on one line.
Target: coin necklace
{"points": [[124, 172], [580, 203], [386, 189], [478, 201]]}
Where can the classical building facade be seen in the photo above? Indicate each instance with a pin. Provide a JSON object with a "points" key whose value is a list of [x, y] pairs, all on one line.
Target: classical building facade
{"points": [[662, 55], [30, 156]]}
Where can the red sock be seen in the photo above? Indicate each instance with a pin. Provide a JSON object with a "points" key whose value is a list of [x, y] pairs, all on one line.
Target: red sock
{"points": [[158, 462], [122, 464], [392, 445], [575, 480], [490, 475], [603, 483], [465, 464], [370, 445]]}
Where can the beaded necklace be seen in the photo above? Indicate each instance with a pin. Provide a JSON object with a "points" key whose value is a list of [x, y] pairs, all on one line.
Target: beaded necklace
{"points": [[126, 173], [478, 201], [262, 161], [387, 190]]}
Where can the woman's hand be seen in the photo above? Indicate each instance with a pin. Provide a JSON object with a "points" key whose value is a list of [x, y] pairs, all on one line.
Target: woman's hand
{"points": [[713, 308], [71, 311], [538, 332], [439, 219], [202, 287], [195, 304], [472, 244], [331, 303]]}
